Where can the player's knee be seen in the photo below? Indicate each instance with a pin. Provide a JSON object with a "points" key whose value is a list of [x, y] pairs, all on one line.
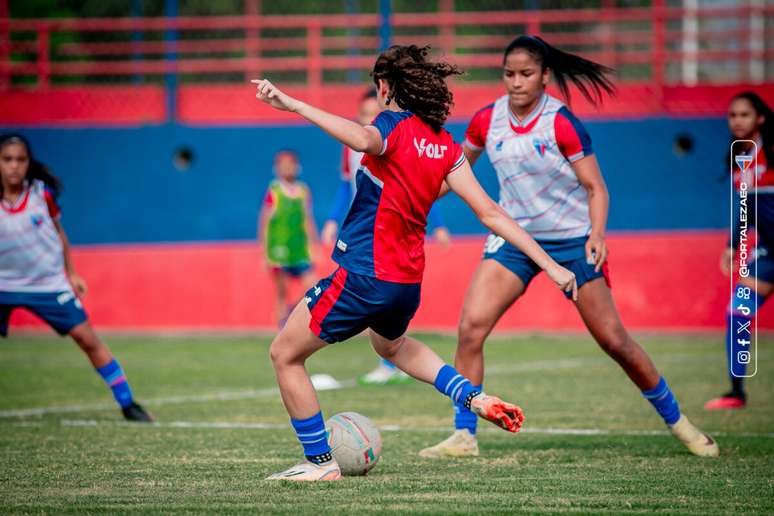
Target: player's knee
{"points": [[615, 341], [280, 352], [472, 330], [389, 348], [85, 337]]}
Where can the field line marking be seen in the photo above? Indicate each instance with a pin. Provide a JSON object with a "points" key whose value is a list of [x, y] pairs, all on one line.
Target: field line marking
{"points": [[494, 370], [225, 425]]}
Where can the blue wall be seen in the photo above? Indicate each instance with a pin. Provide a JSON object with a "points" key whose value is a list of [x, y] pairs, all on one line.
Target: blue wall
{"points": [[121, 185]]}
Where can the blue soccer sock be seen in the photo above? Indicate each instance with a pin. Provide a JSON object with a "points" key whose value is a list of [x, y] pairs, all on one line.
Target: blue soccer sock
{"points": [[313, 437], [455, 386], [464, 419], [663, 401], [387, 363], [116, 379]]}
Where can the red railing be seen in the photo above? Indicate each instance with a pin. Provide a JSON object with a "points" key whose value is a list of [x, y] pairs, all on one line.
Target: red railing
{"points": [[661, 45]]}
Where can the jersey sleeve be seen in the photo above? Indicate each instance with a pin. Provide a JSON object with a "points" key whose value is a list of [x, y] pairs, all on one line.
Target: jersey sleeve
{"points": [[388, 125], [457, 158], [53, 208], [571, 137], [475, 135]]}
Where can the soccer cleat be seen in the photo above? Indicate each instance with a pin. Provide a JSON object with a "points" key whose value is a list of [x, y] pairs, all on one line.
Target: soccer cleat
{"points": [[694, 439], [505, 415], [135, 412], [310, 472], [460, 444], [726, 402], [384, 375]]}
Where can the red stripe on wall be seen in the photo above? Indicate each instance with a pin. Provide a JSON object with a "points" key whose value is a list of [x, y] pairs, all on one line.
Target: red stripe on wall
{"points": [[78, 106], [236, 104], [663, 282]]}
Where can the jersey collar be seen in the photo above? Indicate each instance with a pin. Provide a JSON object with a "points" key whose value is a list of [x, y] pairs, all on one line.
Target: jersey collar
{"points": [[524, 126], [21, 201]]}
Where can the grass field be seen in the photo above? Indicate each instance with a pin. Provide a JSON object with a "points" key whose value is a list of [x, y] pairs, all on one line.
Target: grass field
{"points": [[591, 444]]}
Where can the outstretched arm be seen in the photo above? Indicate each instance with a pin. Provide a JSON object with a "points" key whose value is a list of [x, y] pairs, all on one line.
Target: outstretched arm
{"points": [[464, 183], [358, 138], [472, 156]]}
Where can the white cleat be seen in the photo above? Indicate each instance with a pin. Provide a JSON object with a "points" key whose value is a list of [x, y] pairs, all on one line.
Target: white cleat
{"points": [[461, 444], [384, 375], [694, 439], [309, 472]]}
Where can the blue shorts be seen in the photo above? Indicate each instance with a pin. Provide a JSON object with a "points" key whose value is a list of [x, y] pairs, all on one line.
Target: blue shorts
{"points": [[344, 304], [61, 310], [569, 253], [763, 266], [294, 270]]}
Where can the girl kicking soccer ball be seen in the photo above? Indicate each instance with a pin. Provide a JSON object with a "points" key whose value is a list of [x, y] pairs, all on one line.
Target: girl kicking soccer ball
{"points": [[380, 247], [36, 271]]}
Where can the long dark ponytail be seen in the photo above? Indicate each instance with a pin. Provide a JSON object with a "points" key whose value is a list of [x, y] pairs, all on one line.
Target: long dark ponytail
{"points": [[767, 128], [36, 169], [590, 78], [417, 84]]}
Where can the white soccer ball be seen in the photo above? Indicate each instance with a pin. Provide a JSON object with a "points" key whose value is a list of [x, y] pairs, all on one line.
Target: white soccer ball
{"points": [[355, 442]]}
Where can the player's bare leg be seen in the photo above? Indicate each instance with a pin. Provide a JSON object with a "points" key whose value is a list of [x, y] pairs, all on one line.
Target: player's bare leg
{"points": [[90, 343], [492, 291], [101, 358], [597, 309], [422, 363], [289, 351], [281, 290], [736, 398]]}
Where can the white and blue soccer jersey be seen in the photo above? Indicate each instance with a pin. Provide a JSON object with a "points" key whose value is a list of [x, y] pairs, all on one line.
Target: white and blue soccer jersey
{"points": [[533, 160], [31, 258]]}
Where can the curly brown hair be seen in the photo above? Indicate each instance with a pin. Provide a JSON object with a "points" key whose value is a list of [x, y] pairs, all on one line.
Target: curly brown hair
{"points": [[417, 84]]}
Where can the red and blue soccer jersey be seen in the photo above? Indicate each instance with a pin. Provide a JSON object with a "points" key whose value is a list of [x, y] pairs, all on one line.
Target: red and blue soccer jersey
{"points": [[384, 232]]}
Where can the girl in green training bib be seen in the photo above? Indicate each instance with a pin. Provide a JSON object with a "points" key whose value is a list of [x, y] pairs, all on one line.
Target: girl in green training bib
{"points": [[288, 229]]}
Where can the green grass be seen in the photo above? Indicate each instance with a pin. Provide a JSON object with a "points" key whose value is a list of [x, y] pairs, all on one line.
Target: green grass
{"points": [[48, 465]]}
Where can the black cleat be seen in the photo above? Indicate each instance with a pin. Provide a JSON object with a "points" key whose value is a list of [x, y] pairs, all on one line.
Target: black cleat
{"points": [[135, 412]]}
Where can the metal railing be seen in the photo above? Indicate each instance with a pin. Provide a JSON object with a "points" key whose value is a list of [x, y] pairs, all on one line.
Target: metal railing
{"points": [[659, 45]]}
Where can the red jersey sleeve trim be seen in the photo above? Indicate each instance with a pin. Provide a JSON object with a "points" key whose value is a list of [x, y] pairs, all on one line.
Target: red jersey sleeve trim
{"points": [[53, 207], [571, 137], [475, 135]]}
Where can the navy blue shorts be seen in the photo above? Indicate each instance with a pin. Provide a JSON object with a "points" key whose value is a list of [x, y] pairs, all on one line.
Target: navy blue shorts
{"points": [[763, 266], [62, 311], [344, 304], [294, 270], [569, 253]]}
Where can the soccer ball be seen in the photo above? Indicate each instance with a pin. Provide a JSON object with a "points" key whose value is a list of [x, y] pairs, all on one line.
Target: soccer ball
{"points": [[355, 442]]}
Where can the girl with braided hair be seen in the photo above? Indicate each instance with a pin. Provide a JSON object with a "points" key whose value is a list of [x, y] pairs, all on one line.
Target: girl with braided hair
{"points": [[550, 183], [379, 250]]}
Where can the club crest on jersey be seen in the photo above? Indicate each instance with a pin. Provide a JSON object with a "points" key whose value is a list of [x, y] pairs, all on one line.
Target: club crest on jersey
{"points": [[540, 147], [499, 146], [431, 150], [37, 220]]}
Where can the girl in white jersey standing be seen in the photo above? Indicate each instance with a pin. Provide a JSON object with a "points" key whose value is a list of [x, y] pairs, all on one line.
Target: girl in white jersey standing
{"points": [[550, 183], [36, 271]]}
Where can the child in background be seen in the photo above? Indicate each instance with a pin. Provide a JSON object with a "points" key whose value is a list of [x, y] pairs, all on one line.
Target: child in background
{"points": [[286, 224]]}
